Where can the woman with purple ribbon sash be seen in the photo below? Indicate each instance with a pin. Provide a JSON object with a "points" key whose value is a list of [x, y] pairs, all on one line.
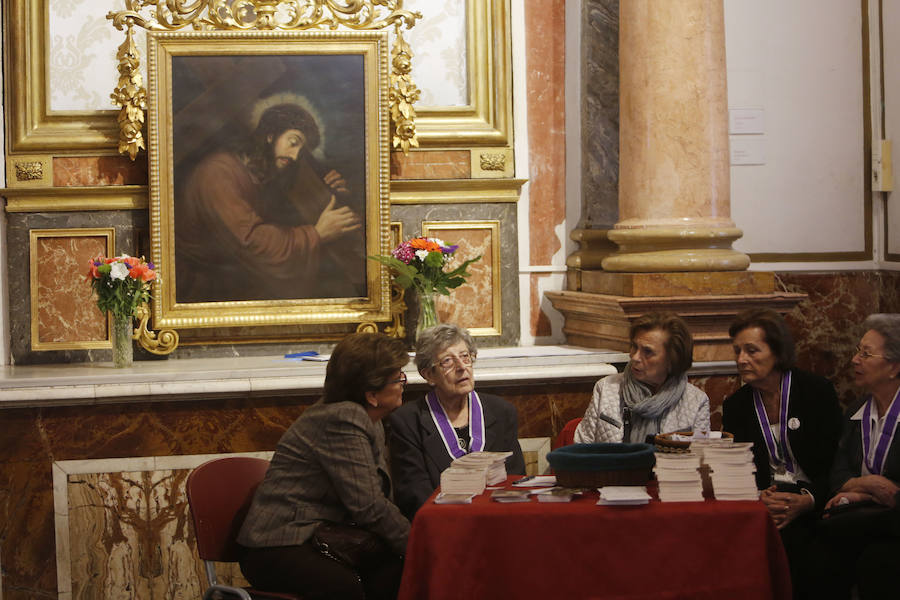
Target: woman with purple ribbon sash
{"points": [[793, 419], [866, 473], [449, 421]]}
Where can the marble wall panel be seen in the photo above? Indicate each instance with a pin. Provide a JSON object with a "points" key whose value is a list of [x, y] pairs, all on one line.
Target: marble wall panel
{"points": [[540, 323], [431, 164], [130, 536], [131, 238], [414, 217], [99, 170], [827, 326], [66, 309], [546, 84], [600, 114], [32, 439], [471, 305]]}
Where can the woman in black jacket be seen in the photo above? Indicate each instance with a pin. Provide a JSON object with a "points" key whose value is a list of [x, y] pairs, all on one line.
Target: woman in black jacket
{"points": [[794, 421]]}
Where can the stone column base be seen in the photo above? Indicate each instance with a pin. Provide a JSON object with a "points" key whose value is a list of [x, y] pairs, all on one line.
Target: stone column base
{"points": [[599, 320]]}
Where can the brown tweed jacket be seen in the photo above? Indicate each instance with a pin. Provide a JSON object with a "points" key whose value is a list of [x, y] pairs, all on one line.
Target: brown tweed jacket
{"points": [[328, 466]]}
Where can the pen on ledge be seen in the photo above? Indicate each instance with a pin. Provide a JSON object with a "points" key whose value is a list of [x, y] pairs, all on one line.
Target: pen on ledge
{"points": [[302, 355]]}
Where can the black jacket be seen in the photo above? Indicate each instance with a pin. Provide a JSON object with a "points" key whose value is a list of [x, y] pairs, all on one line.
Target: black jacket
{"points": [[813, 401], [849, 459], [418, 454]]}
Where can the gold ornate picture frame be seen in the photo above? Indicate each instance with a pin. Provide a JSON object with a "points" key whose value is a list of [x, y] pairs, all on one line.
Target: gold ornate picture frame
{"points": [[233, 218], [32, 127]]}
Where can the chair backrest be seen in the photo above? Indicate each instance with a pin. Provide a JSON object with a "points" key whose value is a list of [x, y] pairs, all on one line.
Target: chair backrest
{"points": [[567, 435], [219, 493]]}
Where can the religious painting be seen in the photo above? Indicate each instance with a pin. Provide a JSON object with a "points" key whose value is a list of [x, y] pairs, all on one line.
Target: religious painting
{"points": [[268, 175]]}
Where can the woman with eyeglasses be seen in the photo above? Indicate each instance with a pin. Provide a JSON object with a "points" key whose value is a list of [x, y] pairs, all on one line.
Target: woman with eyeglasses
{"points": [[867, 472], [794, 421], [652, 395], [450, 421], [328, 485]]}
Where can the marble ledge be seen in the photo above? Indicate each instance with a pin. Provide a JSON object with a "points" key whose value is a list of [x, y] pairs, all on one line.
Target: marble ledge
{"points": [[199, 378]]}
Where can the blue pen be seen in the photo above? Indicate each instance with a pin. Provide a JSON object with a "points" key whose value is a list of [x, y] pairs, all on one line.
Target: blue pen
{"points": [[301, 355]]}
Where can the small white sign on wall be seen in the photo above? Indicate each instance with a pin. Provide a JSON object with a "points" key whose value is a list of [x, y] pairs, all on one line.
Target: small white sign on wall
{"points": [[743, 121], [748, 150]]}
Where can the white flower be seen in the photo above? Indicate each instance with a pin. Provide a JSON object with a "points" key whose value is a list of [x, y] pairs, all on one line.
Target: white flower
{"points": [[422, 254], [438, 241], [118, 270]]}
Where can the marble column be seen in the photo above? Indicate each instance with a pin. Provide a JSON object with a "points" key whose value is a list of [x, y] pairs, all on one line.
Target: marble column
{"points": [[674, 205], [674, 234]]}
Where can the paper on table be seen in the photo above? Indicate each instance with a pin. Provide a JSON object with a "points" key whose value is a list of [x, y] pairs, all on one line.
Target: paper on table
{"points": [[613, 495], [536, 481], [444, 498]]}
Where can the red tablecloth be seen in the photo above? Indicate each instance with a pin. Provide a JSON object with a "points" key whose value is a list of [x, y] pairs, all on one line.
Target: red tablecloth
{"points": [[488, 550]]}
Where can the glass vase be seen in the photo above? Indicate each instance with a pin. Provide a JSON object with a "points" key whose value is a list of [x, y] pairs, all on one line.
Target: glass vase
{"points": [[427, 312], [122, 341]]}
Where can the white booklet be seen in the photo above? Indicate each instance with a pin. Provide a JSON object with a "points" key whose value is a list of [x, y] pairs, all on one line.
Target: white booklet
{"points": [[445, 498], [623, 495], [536, 481]]}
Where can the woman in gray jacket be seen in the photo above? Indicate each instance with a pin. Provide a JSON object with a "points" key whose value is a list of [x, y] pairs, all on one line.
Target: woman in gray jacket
{"points": [[329, 467], [652, 395]]}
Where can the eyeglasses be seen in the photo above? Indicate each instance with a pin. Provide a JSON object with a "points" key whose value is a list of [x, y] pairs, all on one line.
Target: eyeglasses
{"points": [[865, 354], [401, 380], [446, 363]]}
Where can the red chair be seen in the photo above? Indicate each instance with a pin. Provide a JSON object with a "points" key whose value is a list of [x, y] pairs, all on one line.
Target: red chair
{"points": [[219, 493], [567, 435]]}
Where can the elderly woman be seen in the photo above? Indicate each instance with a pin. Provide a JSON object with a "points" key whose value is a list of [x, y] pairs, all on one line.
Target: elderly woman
{"points": [[794, 421], [867, 470], [652, 395], [329, 468], [791, 416], [450, 421]]}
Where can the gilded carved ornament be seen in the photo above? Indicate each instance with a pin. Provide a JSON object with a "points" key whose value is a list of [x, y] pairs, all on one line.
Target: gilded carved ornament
{"points": [[207, 15]]}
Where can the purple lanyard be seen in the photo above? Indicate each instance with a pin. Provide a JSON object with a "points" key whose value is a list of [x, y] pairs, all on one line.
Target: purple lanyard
{"points": [[782, 425], [448, 434], [884, 440]]}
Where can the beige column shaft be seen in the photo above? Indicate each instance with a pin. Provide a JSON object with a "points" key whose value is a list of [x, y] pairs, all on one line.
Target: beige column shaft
{"points": [[674, 199]]}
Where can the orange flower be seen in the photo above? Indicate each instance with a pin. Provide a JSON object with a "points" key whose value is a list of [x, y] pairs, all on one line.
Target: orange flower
{"points": [[424, 244], [143, 272], [92, 269]]}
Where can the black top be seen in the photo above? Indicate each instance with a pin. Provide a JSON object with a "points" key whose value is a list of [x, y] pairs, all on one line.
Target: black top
{"points": [[849, 458], [418, 454], [813, 402]]}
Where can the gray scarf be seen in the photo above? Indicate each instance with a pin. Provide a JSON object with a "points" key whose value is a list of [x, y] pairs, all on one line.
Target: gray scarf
{"points": [[648, 409]]}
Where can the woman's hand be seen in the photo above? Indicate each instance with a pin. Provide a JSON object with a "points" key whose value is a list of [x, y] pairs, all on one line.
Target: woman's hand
{"points": [[877, 487], [785, 506], [847, 498]]}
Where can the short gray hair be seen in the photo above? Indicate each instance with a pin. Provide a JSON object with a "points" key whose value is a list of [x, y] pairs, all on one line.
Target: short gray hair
{"points": [[888, 325], [435, 340]]}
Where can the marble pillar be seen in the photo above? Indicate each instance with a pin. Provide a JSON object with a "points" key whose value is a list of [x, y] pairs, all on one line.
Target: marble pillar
{"points": [[672, 243], [674, 205]]}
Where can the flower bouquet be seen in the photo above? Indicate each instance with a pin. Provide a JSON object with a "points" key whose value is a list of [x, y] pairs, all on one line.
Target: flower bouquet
{"points": [[122, 284], [419, 263]]}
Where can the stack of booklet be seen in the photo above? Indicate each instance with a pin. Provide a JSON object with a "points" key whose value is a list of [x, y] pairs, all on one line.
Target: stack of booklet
{"points": [[679, 477], [471, 473], [731, 470]]}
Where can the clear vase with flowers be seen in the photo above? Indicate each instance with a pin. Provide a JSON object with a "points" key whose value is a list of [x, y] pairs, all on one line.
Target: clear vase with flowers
{"points": [[420, 263], [122, 284]]}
